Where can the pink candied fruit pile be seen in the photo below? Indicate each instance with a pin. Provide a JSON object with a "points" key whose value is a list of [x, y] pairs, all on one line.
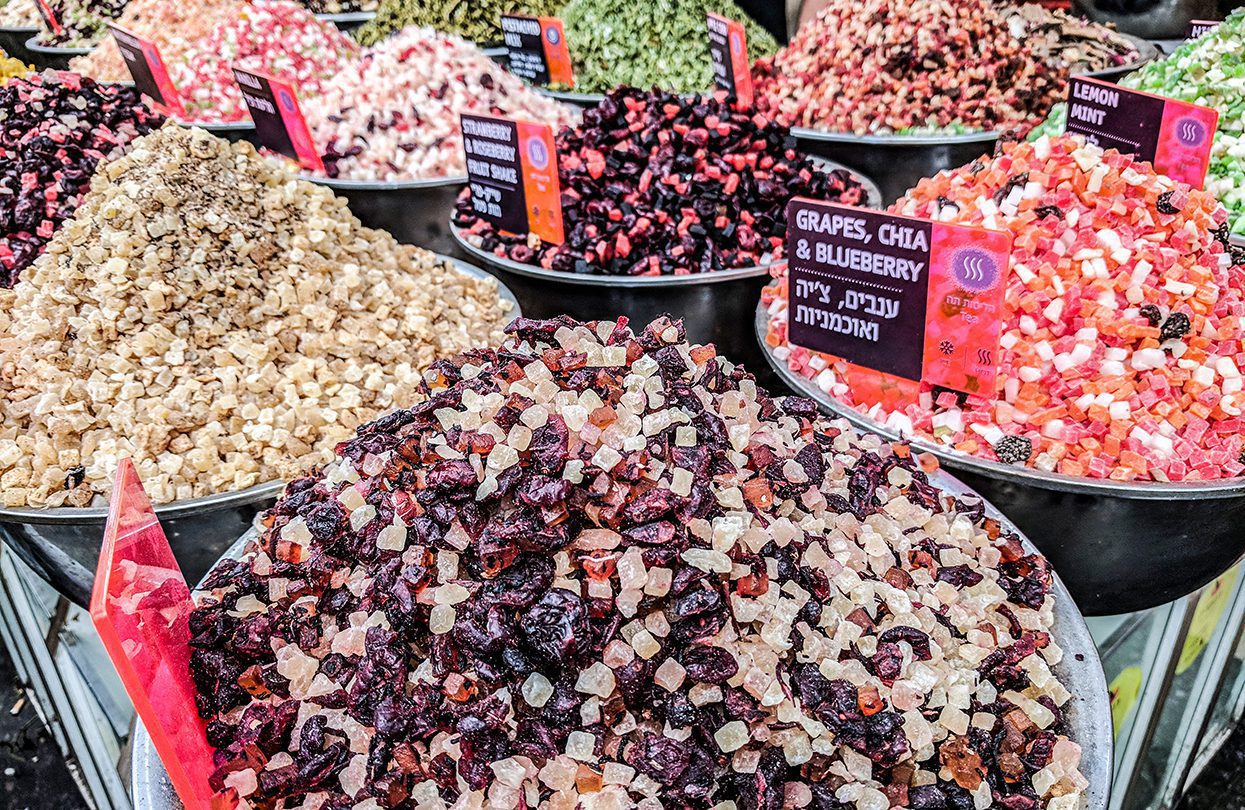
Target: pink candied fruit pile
{"points": [[1122, 340], [280, 38]]}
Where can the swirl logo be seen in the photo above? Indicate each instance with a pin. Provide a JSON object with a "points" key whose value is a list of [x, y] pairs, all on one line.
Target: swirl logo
{"points": [[737, 45], [974, 270], [1190, 131], [551, 34], [286, 100], [537, 154]]}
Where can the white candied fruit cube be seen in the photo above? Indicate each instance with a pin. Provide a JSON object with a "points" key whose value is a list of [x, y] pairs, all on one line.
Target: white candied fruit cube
{"points": [[732, 736], [644, 644], [537, 690], [597, 679], [442, 619], [670, 675], [580, 745]]}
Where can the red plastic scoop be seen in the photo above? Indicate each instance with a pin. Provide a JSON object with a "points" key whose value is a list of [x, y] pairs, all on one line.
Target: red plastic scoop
{"points": [[141, 608]]}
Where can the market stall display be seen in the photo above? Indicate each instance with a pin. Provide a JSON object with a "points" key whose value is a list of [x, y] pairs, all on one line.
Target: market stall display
{"points": [[531, 589], [174, 27], [55, 129], [279, 37], [661, 44], [22, 14], [271, 324], [84, 23], [1119, 364], [478, 21], [898, 112]]}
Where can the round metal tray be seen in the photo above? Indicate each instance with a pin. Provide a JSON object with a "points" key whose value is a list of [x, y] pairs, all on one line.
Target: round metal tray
{"points": [[46, 56], [1120, 546], [412, 210], [13, 42], [232, 132], [62, 544], [1146, 50], [1088, 712], [349, 22]]}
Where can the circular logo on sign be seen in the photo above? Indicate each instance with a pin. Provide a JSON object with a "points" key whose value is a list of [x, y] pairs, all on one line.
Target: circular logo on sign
{"points": [[974, 270], [287, 102], [1190, 131], [551, 34], [737, 46], [537, 154]]}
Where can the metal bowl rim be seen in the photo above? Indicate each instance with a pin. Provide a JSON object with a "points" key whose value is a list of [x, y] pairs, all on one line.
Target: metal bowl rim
{"points": [[1080, 671], [54, 50], [1136, 490], [345, 184], [348, 17], [63, 515], [20, 29], [571, 97], [891, 139], [1147, 52]]}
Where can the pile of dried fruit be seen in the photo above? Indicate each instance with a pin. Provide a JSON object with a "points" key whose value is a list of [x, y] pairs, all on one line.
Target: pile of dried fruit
{"points": [[339, 6], [83, 22], [602, 569], [218, 321], [655, 44], [20, 14], [395, 115], [654, 184], [173, 26], [478, 21], [55, 128], [883, 66], [278, 37], [10, 67], [1122, 324], [1211, 70]]}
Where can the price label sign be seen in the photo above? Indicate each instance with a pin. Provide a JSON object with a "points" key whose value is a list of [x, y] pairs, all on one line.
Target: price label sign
{"points": [[142, 57], [728, 48], [911, 298], [49, 17], [1175, 136], [536, 48], [1199, 27], [512, 171], [279, 121]]}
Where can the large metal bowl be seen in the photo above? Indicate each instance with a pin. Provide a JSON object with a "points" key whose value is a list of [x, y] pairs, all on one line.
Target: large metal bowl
{"points": [[712, 305], [1152, 19], [1088, 712], [348, 21], [13, 42], [412, 210], [48, 56], [62, 545], [1120, 546]]}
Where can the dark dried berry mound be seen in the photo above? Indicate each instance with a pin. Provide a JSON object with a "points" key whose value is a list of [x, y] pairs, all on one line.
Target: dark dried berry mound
{"points": [[1177, 325], [55, 128], [655, 184], [1013, 449], [600, 562]]}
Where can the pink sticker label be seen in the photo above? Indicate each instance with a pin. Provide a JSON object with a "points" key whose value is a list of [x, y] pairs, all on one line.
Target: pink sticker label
{"points": [[1175, 136], [906, 297], [279, 121], [1199, 27]]}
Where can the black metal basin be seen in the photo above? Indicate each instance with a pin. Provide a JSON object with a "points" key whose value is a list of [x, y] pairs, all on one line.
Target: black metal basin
{"points": [[1119, 546], [13, 42], [412, 210], [47, 57]]}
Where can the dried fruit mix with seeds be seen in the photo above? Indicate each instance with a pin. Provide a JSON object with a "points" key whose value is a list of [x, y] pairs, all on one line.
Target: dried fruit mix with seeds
{"points": [[601, 566]]}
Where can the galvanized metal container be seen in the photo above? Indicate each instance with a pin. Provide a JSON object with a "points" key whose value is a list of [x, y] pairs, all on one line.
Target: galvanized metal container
{"points": [[1120, 546], [13, 42], [62, 544], [234, 132], [349, 21], [412, 210], [48, 57], [1080, 670]]}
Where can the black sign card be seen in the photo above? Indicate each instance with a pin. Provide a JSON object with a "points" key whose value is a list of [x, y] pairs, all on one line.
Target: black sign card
{"points": [[495, 171]]}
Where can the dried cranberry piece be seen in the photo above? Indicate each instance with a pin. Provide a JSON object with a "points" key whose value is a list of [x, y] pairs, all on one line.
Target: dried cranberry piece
{"points": [[556, 626]]}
